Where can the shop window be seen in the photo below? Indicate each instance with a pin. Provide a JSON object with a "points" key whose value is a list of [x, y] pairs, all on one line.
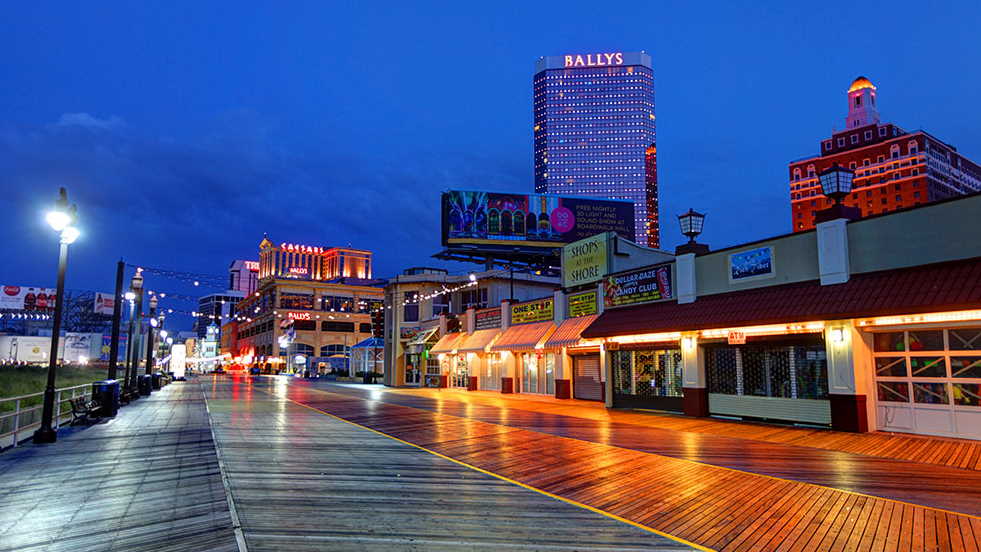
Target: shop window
{"points": [[965, 367], [647, 374], [335, 349], [964, 339], [928, 367], [967, 394], [929, 340], [893, 391], [296, 301], [890, 367], [794, 371], [410, 310], [930, 393], [889, 341]]}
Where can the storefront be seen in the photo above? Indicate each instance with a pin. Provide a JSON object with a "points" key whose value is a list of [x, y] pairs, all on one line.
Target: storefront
{"points": [[772, 378], [581, 357], [473, 349], [417, 356], [445, 350], [927, 377], [647, 376], [534, 368]]}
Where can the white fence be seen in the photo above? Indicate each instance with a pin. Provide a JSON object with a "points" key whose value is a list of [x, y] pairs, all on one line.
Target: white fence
{"points": [[19, 424]]}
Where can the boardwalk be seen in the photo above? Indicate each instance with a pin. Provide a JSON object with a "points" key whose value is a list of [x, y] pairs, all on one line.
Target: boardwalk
{"points": [[146, 480], [302, 466]]}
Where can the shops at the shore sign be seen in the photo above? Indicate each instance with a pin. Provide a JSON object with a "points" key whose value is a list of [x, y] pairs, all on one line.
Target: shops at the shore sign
{"points": [[585, 261], [533, 311], [639, 286], [582, 304]]}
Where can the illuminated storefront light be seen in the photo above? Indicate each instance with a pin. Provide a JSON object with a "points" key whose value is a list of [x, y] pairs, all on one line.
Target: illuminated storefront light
{"points": [[935, 317], [772, 329]]}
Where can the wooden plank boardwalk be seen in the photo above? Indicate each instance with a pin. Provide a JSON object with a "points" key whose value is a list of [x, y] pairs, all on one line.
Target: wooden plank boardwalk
{"points": [[146, 480], [304, 481], [957, 453], [916, 482], [712, 506]]}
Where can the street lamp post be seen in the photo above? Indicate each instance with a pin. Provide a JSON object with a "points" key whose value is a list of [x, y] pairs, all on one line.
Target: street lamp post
{"points": [[117, 314], [149, 334], [136, 304], [691, 226], [836, 184], [61, 220]]}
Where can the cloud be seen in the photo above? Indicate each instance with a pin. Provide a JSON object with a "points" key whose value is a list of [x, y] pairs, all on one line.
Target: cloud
{"points": [[84, 120], [197, 205]]}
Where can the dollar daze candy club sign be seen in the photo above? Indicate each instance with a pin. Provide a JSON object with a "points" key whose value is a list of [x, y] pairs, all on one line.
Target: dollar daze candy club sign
{"points": [[639, 286]]}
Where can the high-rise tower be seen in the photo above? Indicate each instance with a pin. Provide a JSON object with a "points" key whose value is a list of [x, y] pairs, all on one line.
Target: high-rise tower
{"points": [[595, 132]]}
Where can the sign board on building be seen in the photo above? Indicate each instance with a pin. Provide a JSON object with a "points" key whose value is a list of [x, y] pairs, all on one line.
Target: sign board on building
{"points": [[299, 316], [104, 303], [752, 264], [488, 319], [644, 285], [107, 347], [27, 298], [538, 310], [409, 332], [489, 218], [736, 337], [586, 261], [582, 304]]}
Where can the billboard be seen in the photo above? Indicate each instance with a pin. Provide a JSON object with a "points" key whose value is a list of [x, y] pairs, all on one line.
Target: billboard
{"points": [[639, 286], [27, 298], [104, 303], [585, 261], [752, 264], [538, 310], [493, 218]]}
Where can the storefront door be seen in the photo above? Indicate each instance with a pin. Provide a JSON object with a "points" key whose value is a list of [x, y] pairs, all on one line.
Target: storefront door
{"points": [[538, 373], [586, 384], [784, 380], [413, 370], [461, 375], [529, 373], [929, 381], [490, 376], [647, 378]]}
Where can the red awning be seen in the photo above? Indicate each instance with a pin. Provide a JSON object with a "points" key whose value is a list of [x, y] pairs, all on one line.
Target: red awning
{"points": [[568, 332], [938, 287], [477, 341], [447, 343], [523, 337]]}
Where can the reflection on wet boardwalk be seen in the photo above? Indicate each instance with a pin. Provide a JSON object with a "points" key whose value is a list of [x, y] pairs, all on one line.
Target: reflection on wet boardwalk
{"points": [[304, 481], [711, 505]]}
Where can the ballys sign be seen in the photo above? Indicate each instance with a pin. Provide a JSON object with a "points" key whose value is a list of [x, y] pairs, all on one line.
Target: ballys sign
{"points": [[594, 60]]}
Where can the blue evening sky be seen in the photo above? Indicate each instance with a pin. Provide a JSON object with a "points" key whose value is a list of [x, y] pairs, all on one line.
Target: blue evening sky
{"points": [[184, 130]]}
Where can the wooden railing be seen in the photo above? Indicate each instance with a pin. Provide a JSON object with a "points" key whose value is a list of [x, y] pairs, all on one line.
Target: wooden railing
{"points": [[17, 424]]}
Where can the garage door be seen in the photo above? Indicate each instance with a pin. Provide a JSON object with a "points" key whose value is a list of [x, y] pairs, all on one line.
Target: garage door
{"points": [[586, 382], [929, 381]]}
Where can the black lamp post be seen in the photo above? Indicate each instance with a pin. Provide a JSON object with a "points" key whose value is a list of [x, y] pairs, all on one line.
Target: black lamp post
{"points": [[61, 218], [836, 184], [149, 334], [691, 226], [136, 315]]}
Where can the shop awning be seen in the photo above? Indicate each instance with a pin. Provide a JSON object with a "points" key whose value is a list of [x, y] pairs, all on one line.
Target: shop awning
{"points": [[422, 337], [569, 331], [938, 287], [523, 337], [447, 343], [477, 341]]}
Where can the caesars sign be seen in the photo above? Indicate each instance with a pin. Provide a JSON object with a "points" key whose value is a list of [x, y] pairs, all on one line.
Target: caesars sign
{"points": [[585, 261], [639, 286], [533, 311]]}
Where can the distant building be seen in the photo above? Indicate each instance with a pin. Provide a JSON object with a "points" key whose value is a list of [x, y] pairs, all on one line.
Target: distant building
{"points": [[594, 131], [894, 168], [313, 303], [243, 276], [217, 308]]}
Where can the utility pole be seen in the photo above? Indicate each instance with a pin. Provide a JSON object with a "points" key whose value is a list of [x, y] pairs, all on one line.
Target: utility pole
{"points": [[117, 314]]}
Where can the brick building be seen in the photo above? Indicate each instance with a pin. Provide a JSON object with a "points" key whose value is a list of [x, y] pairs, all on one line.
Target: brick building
{"points": [[894, 168]]}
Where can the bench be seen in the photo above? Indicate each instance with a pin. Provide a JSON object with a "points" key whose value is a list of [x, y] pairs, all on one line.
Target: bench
{"points": [[84, 410]]}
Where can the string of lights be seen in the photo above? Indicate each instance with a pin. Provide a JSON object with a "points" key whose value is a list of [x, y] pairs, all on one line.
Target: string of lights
{"points": [[194, 278]]}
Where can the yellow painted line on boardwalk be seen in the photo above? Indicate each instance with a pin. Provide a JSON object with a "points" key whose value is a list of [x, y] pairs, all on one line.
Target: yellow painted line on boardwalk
{"points": [[512, 481], [716, 466]]}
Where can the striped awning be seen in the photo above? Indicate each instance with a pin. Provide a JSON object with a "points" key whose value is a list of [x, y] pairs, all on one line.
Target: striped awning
{"points": [[524, 337], [477, 341], [447, 343], [568, 332]]}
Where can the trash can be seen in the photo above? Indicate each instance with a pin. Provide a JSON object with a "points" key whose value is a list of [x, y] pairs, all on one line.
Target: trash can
{"points": [[144, 384], [157, 380], [107, 393]]}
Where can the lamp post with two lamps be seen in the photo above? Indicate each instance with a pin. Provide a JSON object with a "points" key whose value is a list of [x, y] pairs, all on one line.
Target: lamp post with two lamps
{"points": [[62, 219]]}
